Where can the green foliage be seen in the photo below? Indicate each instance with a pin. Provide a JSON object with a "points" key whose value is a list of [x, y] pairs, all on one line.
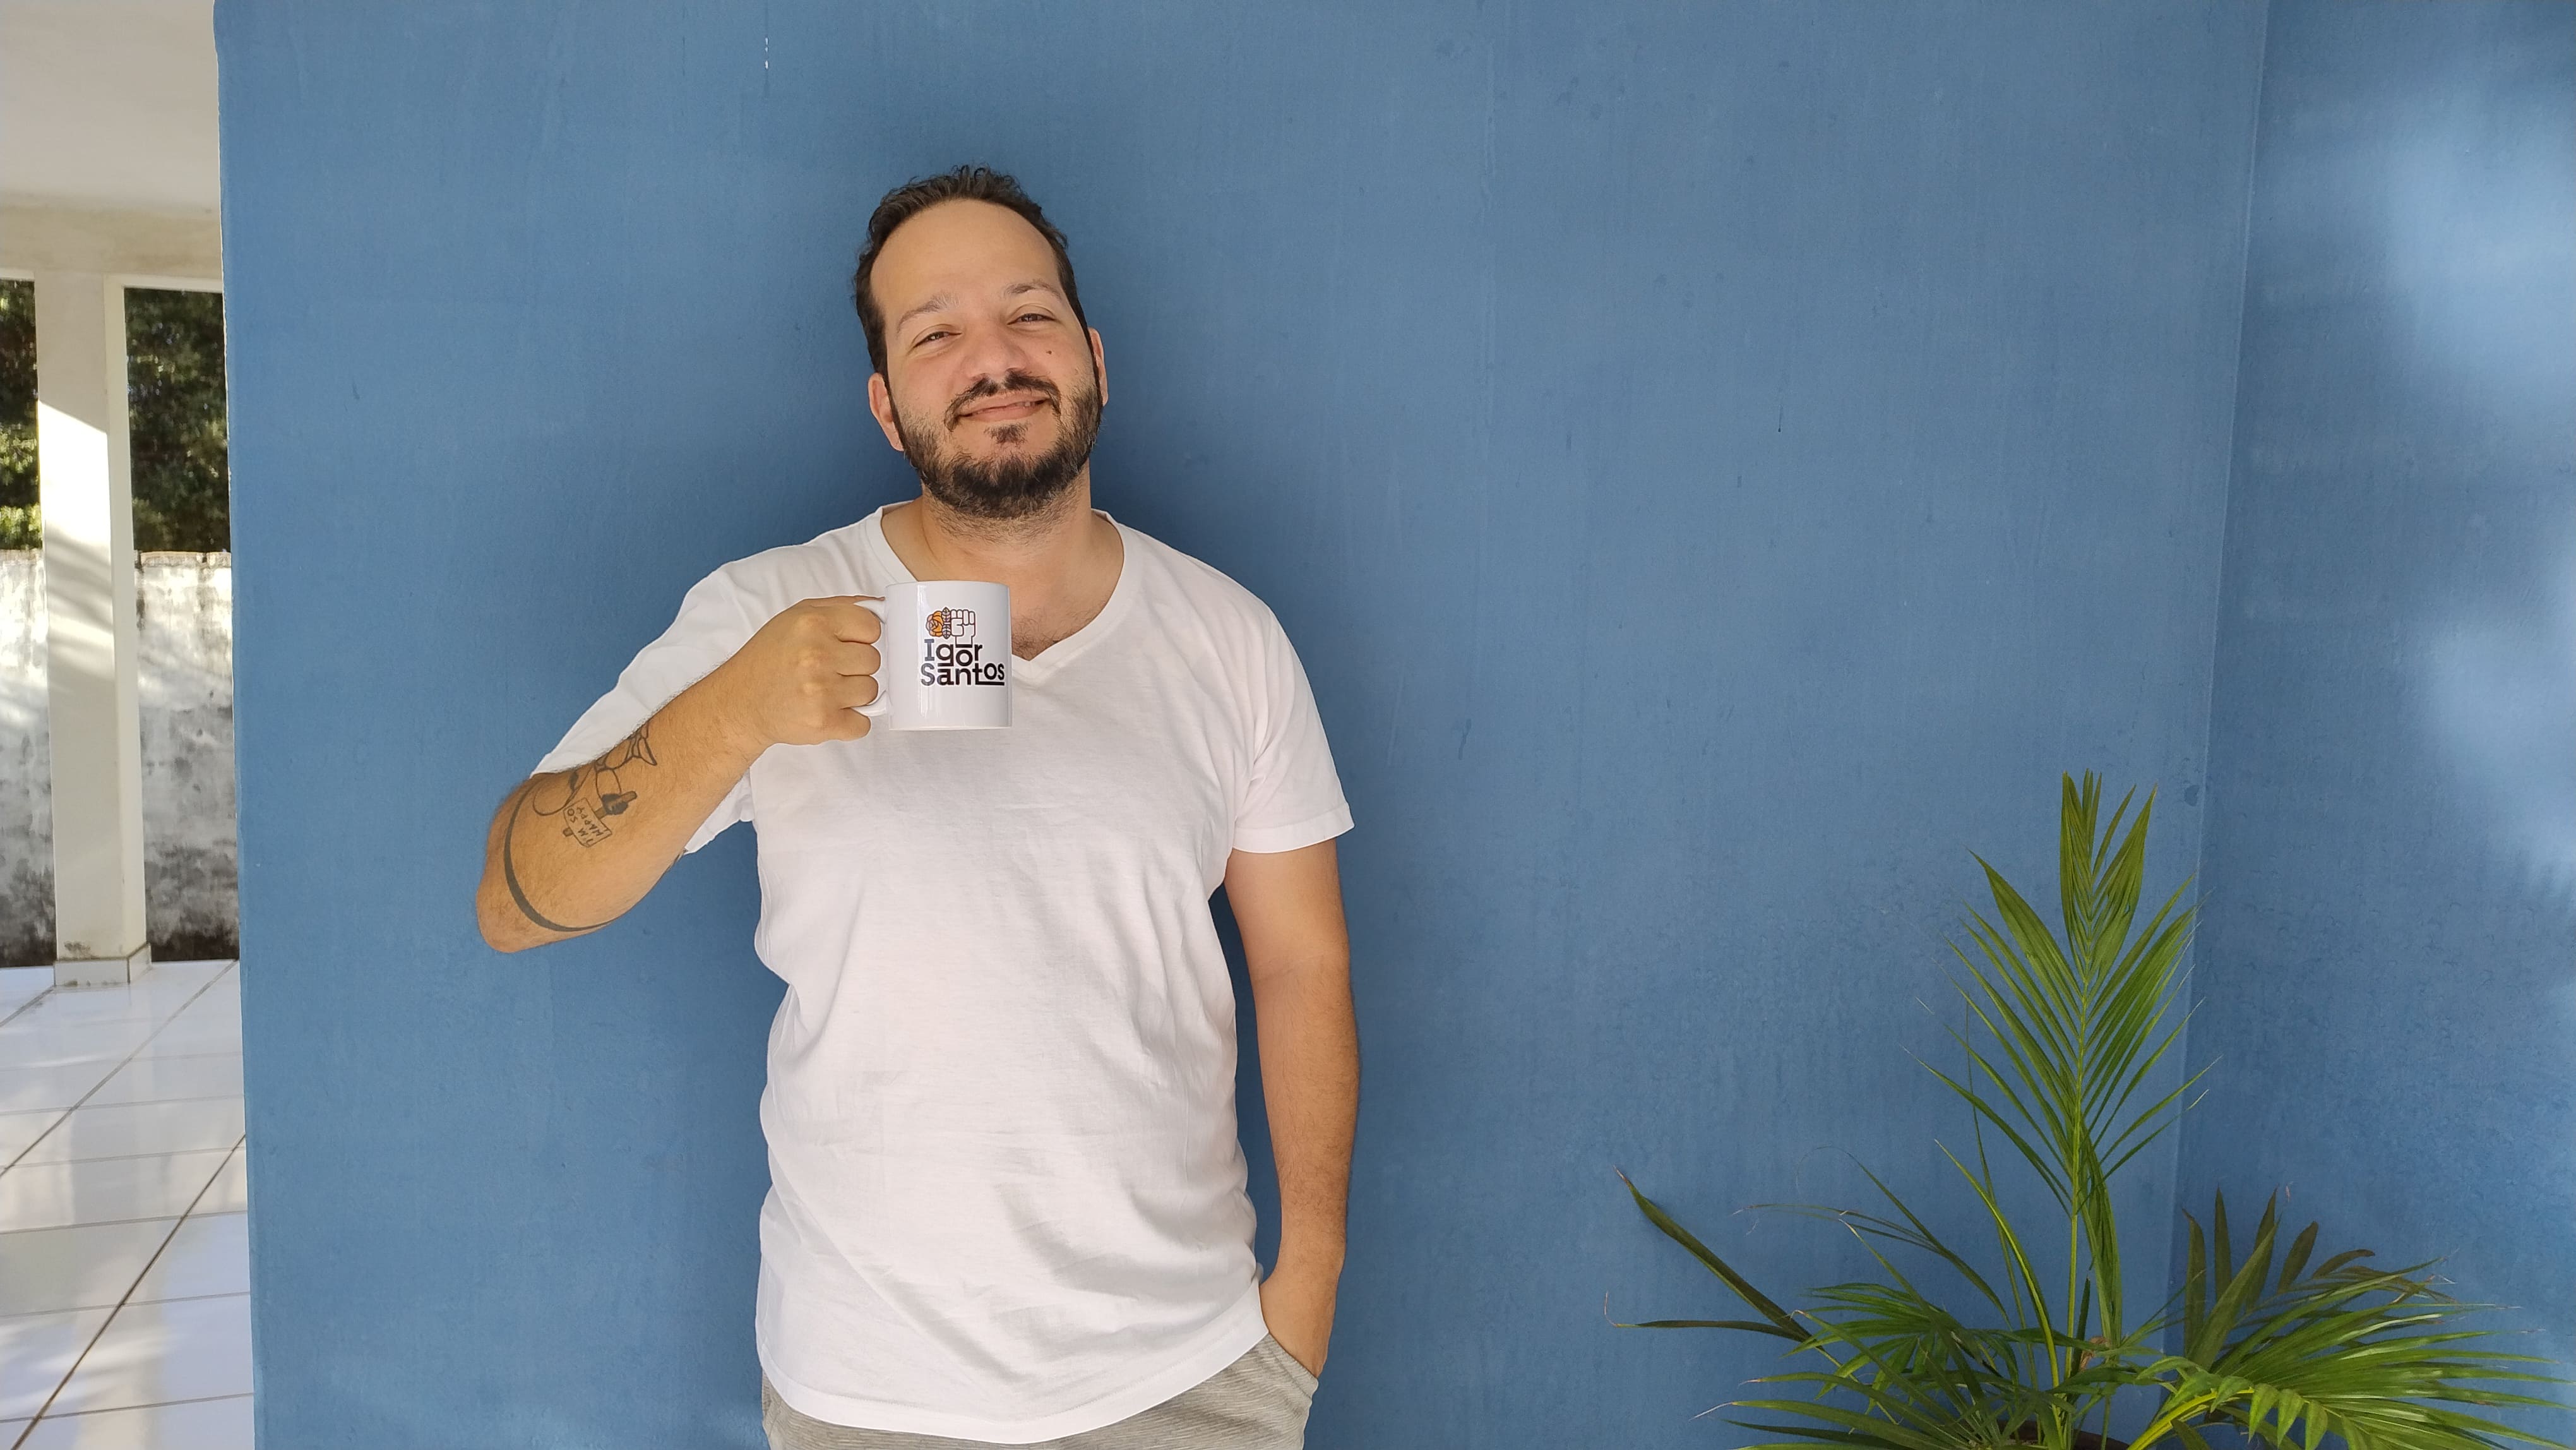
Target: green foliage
{"points": [[175, 387], [19, 528], [2065, 1033], [175, 391]]}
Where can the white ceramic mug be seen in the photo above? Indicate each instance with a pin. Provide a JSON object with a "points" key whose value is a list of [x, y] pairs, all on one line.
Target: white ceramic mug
{"points": [[947, 650]]}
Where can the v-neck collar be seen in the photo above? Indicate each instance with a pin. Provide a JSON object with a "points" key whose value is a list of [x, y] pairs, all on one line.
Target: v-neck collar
{"points": [[1064, 651]]}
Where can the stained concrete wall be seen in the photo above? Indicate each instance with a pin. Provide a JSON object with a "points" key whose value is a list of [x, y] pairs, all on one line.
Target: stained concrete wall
{"points": [[185, 604], [189, 845], [26, 797]]}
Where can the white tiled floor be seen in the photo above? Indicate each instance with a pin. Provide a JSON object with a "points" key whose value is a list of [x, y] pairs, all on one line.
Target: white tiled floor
{"points": [[124, 1246]]}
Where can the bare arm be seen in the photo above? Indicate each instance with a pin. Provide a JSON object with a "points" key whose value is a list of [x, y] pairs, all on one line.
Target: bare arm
{"points": [[570, 851], [1297, 953]]}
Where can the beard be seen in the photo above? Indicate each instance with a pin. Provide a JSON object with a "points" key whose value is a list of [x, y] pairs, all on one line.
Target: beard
{"points": [[1009, 488]]}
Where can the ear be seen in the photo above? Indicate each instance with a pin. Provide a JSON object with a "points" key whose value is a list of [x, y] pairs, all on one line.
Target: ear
{"points": [[881, 404], [1099, 366]]}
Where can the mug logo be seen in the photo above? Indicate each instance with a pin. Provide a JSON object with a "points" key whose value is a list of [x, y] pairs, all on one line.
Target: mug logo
{"points": [[950, 655]]}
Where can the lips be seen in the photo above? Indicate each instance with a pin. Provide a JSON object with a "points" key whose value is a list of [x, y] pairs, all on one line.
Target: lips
{"points": [[1003, 410], [1007, 399]]}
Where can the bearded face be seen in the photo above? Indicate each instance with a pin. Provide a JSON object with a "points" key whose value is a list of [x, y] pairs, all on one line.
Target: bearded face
{"points": [[1009, 469], [987, 377]]}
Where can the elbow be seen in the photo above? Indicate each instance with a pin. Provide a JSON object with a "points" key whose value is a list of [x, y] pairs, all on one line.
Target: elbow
{"points": [[503, 926], [501, 941], [503, 929]]}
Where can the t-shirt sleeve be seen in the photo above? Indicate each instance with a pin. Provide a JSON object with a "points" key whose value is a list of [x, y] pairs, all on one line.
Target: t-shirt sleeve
{"points": [[714, 620], [1293, 797]]}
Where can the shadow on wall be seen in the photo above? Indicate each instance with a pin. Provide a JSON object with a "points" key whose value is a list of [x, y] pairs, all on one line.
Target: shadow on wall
{"points": [[184, 607]]}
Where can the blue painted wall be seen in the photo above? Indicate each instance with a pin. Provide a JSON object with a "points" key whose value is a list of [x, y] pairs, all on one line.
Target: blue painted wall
{"points": [[2389, 956], [1720, 463]]}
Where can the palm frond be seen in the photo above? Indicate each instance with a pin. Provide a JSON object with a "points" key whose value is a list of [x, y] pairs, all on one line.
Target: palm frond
{"points": [[1776, 1320], [2067, 1037]]}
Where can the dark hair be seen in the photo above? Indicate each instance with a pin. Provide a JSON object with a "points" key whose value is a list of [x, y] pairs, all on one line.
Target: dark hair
{"points": [[966, 183]]}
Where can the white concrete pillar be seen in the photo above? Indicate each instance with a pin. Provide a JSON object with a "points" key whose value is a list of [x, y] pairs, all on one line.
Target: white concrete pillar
{"points": [[85, 483]]}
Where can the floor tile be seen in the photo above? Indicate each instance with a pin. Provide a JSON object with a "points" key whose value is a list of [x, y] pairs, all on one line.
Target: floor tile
{"points": [[182, 977], [178, 986], [150, 1354], [184, 1039], [210, 1254], [90, 1266], [167, 997], [214, 1004], [220, 1002], [96, 1004], [212, 1010], [36, 1351], [201, 1425], [19, 1131], [51, 1195], [128, 1130], [166, 1079], [222, 982], [231, 1190], [198, 1038], [9, 1431], [28, 1043], [200, 972], [25, 1088]]}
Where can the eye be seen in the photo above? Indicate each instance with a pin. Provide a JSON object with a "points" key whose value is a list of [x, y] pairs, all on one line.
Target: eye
{"points": [[1033, 317], [933, 335]]}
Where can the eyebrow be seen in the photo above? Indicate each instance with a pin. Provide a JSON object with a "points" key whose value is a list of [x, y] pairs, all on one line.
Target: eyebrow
{"points": [[932, 303], [943, 300]]}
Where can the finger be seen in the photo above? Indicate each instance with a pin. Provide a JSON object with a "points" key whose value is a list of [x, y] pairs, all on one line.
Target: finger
{"points": [[830, 707], [848, 619], [848, 658], [848, 725]]}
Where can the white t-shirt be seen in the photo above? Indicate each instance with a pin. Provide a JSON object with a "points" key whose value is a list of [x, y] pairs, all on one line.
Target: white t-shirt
{"points": [[1006, 1198]]}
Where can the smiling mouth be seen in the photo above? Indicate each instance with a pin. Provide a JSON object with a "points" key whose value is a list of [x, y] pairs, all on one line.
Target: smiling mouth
{"points": [[1003, 401], [1003, 410]]}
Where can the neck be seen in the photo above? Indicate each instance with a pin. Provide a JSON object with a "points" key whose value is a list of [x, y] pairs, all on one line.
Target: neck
{"points": [[1027, 550], [1060, 563]]}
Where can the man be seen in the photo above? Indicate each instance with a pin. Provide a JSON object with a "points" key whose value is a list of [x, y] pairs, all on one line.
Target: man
{"points": [[1007, 1203]]}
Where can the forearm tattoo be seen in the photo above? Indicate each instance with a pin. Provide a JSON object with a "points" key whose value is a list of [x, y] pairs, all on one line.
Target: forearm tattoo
{"points": [[592, 794]]}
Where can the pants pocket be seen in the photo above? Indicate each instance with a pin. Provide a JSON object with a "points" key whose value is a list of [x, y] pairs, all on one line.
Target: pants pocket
{"points": [[1286, 1364]]}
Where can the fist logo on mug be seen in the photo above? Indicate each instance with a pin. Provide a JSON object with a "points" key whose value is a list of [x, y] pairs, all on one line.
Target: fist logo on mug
{"points": [[950, 624]]}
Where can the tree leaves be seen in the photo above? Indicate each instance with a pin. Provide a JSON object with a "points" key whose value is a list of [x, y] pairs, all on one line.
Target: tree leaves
{"points": [[19, 526], [175, 386], [177, 432]]}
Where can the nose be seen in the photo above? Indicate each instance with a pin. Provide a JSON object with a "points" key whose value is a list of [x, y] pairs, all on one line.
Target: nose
{"points": [[992, 355]]}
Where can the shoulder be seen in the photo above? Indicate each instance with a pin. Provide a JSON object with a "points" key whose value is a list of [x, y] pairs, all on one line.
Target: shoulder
{"points": [[1208, 590], [831, 563]]}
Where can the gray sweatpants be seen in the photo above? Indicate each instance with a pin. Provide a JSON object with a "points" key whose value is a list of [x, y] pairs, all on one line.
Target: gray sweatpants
{"points": [[1259, 1402]]}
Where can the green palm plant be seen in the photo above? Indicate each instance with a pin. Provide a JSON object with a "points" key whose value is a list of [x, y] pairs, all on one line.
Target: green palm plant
{"points": [[2063, 1035]]}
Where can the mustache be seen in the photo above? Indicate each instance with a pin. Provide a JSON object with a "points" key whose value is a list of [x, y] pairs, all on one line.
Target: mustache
{"points": [[1014, 381]]}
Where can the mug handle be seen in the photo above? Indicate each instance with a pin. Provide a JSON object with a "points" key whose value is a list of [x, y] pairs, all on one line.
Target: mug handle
{"points": [[883, 701]]}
